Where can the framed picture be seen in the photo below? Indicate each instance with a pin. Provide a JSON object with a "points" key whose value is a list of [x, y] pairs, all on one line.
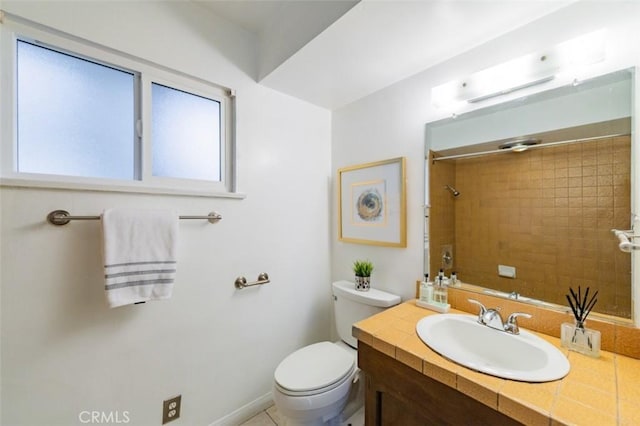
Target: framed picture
{"points": [[372, 203]]}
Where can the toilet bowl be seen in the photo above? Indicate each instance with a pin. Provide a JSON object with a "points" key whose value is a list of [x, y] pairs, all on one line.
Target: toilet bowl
{"points": [[313, 396], [313, 385]]}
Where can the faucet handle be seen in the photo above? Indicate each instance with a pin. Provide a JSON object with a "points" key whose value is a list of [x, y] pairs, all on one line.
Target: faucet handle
{"points": [[511, 325], [483, 310]]}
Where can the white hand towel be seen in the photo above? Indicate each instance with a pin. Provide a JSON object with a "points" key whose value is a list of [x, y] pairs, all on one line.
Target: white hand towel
{"points": [[139, 254]]}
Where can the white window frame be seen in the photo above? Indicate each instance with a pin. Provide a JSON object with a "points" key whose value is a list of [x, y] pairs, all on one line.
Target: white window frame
{"points": [[14, 29]]}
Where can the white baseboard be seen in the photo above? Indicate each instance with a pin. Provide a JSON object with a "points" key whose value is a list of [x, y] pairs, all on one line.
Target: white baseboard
{"points": [[245, 412]]}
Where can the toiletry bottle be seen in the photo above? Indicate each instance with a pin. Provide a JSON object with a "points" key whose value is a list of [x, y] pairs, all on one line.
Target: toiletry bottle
{"points": [[444, 294], [440, 292], [454, 278], [426, 290], [436, 290], [423, 288]]}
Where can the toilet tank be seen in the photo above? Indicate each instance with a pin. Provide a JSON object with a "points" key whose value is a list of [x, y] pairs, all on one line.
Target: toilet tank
{"points": [[351, 306]]}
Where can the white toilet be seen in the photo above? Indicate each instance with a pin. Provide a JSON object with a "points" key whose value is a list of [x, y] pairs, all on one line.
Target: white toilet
{"points": [[312, 385]]}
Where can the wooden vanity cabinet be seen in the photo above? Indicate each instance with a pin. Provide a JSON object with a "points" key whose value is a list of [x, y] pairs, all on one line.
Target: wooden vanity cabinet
{"points": [[396, 394]]}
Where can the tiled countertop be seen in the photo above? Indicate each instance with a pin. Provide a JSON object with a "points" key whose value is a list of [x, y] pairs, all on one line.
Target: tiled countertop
{"points": [[602, 391]]}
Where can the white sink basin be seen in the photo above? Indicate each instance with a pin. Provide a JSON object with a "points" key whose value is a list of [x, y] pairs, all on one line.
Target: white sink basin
{"points": [[525, 357]]}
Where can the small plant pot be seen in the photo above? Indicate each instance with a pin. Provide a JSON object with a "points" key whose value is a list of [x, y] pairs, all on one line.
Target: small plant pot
{"points": [[363, 283]]}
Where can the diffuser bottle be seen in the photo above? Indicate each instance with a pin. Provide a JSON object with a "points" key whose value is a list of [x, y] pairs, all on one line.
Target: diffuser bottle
{"points": [[577, 337]]}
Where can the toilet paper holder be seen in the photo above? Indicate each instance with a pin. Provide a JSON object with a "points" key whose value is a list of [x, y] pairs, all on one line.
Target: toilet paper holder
{"points": [[241, 282]]}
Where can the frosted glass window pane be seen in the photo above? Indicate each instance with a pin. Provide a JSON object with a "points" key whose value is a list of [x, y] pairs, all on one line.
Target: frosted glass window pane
{"points": [[75, 117], [186, 135]]}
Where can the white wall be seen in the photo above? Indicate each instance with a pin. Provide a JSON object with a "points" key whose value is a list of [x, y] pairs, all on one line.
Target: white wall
{"points": [[391, 122], [64, 351], [290, 31]]}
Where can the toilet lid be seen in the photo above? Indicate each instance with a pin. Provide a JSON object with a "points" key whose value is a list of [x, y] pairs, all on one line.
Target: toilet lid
{"points": [[314, 367]]}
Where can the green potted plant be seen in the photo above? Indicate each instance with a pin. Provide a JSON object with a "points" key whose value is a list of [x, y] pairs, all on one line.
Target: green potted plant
{"points": [[362, 270]]}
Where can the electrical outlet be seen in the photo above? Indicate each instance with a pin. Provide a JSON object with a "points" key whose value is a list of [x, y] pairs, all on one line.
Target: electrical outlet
{"points": [[171, 409], [507, 271]]}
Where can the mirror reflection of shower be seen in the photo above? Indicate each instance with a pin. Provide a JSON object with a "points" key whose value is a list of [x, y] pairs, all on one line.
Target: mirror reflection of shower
{"points": [[452, 190]]}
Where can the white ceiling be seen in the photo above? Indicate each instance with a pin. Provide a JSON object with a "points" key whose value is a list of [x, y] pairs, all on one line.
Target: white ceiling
{"points": [[374, 43], [257, 15]]}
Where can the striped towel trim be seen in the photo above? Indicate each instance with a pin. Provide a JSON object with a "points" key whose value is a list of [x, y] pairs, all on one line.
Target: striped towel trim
{"points": [[113, 265], [131, 274], [145, 272], [138, 283]]}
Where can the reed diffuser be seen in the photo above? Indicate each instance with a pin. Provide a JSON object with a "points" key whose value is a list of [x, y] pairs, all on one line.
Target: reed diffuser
{"points": [[577, 337]]}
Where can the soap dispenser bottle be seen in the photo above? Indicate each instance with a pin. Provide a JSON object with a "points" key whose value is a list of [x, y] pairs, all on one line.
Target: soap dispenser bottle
{"points": [[440, 292], [426, 290]]}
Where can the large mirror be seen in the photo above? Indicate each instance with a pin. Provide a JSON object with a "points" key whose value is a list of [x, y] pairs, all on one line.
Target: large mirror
{"points": [[522, 196]]}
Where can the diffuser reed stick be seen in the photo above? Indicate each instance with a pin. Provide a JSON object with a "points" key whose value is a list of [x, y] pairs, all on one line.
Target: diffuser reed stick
{"points": [[581, 309], [579, 305]]}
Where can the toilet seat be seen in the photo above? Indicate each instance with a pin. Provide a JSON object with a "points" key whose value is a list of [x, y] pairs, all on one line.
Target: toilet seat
{"points": [[314, 369]]}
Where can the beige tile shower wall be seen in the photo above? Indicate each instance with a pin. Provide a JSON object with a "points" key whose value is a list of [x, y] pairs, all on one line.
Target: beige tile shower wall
{"points": [[548, 212], [442, 219]]}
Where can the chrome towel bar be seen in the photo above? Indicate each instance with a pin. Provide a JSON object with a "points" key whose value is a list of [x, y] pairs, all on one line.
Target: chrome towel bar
{"points": [[62, 217], [241, 282]]}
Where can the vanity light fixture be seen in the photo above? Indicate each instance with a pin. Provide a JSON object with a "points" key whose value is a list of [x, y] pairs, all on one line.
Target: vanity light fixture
{"points": [[566, 59]]}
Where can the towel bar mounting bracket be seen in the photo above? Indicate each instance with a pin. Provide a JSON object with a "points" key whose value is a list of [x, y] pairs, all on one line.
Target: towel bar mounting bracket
{"points": [[61, 217]]}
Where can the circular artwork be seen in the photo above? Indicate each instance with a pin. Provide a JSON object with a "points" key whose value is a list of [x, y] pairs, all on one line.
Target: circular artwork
{"points": [[369, 205]]}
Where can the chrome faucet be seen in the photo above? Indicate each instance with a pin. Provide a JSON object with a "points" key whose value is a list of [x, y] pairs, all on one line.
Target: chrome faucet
{"points": [[511, 326], [489, 317], [492, 318]]}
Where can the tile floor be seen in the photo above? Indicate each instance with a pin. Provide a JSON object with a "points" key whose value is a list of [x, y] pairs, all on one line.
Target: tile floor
{"points": [[270, 417]]}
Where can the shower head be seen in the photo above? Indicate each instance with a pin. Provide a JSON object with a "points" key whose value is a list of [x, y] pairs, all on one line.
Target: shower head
{"points": [[452, 190]]}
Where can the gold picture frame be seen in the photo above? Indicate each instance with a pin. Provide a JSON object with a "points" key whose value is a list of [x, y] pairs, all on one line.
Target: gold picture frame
{"points": [[372, 203]]}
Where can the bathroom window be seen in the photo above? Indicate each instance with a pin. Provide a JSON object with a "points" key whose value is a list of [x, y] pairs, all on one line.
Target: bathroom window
{"points": [[84, 116], [186, 134], [75, 117]]}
